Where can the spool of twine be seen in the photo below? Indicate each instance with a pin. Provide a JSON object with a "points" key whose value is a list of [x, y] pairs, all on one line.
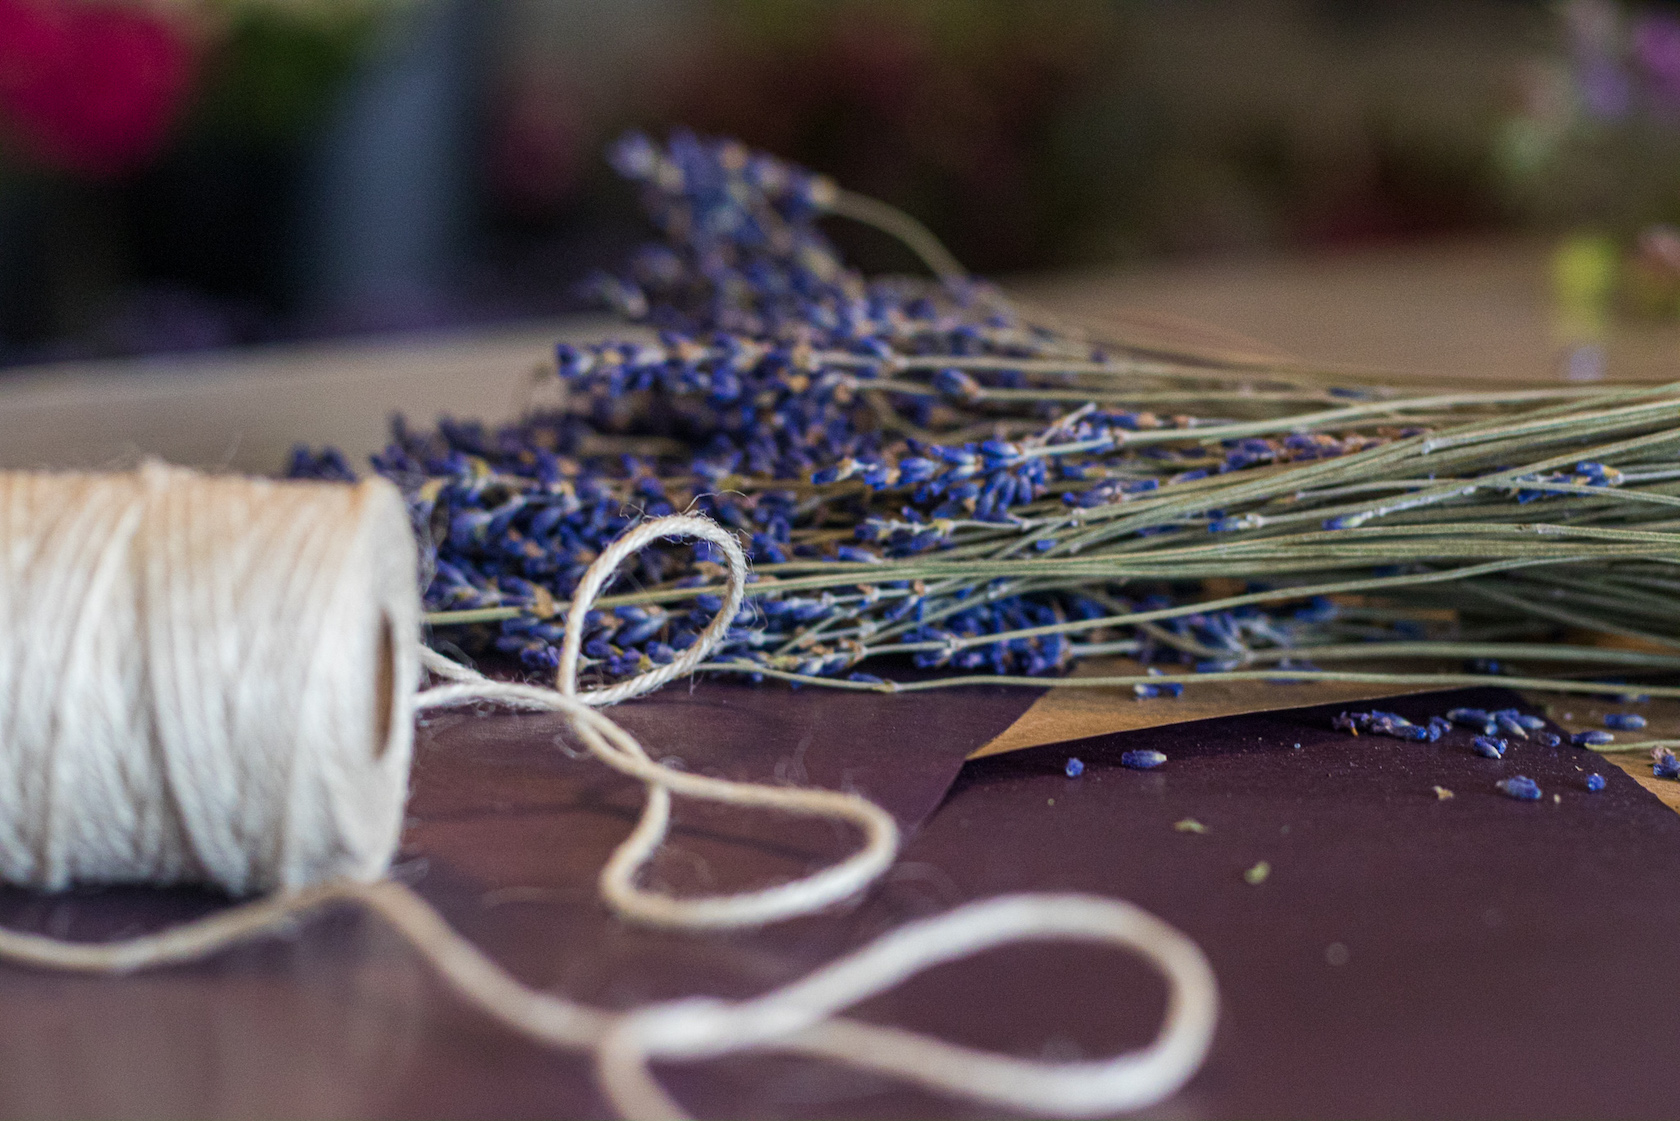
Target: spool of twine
{"points": [[203, 679], [210, 679]]}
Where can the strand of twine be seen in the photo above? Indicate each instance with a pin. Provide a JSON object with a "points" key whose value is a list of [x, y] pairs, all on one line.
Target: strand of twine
{"points": [[801, 1017], [619, 750]]}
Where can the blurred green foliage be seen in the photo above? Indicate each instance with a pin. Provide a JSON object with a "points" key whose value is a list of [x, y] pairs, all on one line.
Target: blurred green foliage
{"points": [[276, 68]]}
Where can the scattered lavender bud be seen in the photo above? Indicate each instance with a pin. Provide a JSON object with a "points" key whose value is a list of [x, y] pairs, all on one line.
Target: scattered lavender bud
{"points": [[1624, 721], [1143, 760], [1351, 722], [1476, 718], [1664, 764], [1595, 783], [1510, 725], [1488, 747], [1522, 788], [1547, 739], [1074, 768], [1438, 726], [1591, 738], [1519, 718]]}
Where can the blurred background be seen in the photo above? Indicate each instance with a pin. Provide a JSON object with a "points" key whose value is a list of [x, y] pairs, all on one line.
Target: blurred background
{"points": [[181, 175]]}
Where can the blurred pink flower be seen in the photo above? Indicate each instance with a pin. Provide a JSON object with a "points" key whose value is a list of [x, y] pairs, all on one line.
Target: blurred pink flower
{"points": [[91, 87]]}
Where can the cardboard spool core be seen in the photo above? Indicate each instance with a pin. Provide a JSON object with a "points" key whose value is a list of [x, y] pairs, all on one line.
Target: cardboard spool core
{"points": [[385, 687]]}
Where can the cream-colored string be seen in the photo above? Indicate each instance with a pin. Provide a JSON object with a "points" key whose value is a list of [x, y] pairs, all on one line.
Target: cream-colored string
{"points": [[799, 1017], [618, 749]]}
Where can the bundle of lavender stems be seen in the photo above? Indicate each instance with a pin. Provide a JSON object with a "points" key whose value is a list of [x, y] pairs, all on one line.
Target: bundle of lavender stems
{"points": [[938, 485]]}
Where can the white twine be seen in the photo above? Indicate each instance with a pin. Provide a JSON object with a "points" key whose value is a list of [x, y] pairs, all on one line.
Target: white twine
{"points": [[190, 679], [212, 679]]}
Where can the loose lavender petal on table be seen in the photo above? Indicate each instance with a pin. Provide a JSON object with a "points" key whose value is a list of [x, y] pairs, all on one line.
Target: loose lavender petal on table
{"points": [[1488, 747]]}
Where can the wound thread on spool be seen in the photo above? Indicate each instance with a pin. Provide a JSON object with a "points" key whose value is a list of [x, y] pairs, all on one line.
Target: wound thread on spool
{"points": [[203, 679]]}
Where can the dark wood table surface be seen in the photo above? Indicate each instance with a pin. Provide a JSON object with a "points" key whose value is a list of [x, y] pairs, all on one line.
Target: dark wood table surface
{"points": [[1407, 956]]}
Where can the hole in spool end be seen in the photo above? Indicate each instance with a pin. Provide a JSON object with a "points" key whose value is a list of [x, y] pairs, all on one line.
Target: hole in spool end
{"points": [[385, 688]]}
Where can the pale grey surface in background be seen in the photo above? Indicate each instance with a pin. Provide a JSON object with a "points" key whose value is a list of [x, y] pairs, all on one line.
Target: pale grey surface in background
{"points": [[245, 410]]}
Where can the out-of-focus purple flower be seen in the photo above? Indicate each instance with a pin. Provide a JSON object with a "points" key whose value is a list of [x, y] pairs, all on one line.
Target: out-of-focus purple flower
{"points": [[1605, 90], [1656, 45]]}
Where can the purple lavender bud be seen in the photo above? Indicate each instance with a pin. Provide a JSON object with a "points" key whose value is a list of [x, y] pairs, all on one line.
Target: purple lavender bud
{"points": [[876, 476], [1470, 717], [633, 156], [1664, 764], [832, 474], [956, 383], [1624, 721], [1521, 787], [1547, 739], [1509, 725], [1074, 768], [1592, 738], [1595, 782], [915, 469], [540, 657], [1488, 747], [1142, 760]]}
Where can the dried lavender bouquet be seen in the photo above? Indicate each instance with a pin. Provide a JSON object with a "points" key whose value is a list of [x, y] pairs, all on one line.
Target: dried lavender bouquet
{"points": [[928, 471]]}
